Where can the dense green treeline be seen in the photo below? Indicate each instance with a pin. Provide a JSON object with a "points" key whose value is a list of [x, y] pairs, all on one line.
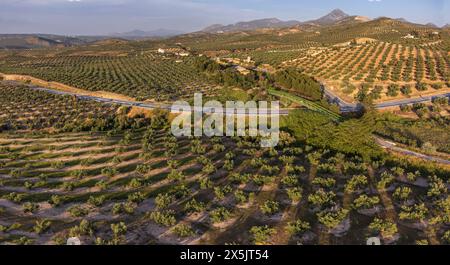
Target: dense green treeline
{"points": [[290, 79], [298, 82], [228, 75], [430, 135], [353, 136]]}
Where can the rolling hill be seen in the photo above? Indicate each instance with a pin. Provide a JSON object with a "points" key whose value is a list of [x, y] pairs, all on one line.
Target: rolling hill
{"points": [[29, 41]]}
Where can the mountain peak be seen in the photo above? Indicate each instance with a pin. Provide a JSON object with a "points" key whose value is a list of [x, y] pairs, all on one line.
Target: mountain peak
{"points": [[332, 17], [335, 16], [338, 12]]}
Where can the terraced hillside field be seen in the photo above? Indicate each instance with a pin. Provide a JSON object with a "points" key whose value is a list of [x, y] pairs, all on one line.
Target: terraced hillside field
{"points": [[135, 183], [384, 58], [386, 70]]}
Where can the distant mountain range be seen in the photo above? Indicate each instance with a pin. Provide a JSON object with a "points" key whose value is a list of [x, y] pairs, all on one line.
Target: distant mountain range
{"points": [[335, 17], [31, 41], [252, 25], [274, 23]]}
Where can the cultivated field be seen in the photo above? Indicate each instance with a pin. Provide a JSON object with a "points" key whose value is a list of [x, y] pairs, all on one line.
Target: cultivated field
{"points": [[147, 76], [133, 183], [387, 70]]}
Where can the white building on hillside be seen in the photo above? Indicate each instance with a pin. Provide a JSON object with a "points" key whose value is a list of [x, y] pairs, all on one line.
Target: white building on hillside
{"points": [[409, 36]]}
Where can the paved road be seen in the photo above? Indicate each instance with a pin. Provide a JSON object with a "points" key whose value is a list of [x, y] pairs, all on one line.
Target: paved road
{"points": [[411, 101], [344, 106], [161, 106], [383, 143], [352, 107], [393, 147]]}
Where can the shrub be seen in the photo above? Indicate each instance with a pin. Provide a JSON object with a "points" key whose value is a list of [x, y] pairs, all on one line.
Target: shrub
{"points": [[416, 212], [356, 182], [437, 86], [78, 211], [97, 201], [119, 208], [163, 200], [135, 183], [295, 194], [109, 172], [261, 234], [332, 219], [405, 108], [136, 197], [175, 175], [55, 200], [270, 207], [14, 197], [205, 183], [183, 230], [30, 207], [406, 90], [402, 193], [194, 206], [163, 218], [221, 192], [290, 181], [228, 165], [421, 87], [83, 229], [446, 237], [324, 182], [119, 229], [242, 197], [297, 227], [412, 176], [437, 187], [392, 90], [386, 179], [322, 198], [143, 169], [386, 228], [365, 202], [41, 226], [219, 214]]}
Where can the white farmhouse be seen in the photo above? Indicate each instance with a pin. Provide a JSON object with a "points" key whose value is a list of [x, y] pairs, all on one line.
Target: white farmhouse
{"points": [[409, 36]]}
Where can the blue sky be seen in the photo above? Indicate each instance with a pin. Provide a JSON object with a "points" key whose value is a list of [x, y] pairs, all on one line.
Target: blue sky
{"points": [[92, 17]]}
